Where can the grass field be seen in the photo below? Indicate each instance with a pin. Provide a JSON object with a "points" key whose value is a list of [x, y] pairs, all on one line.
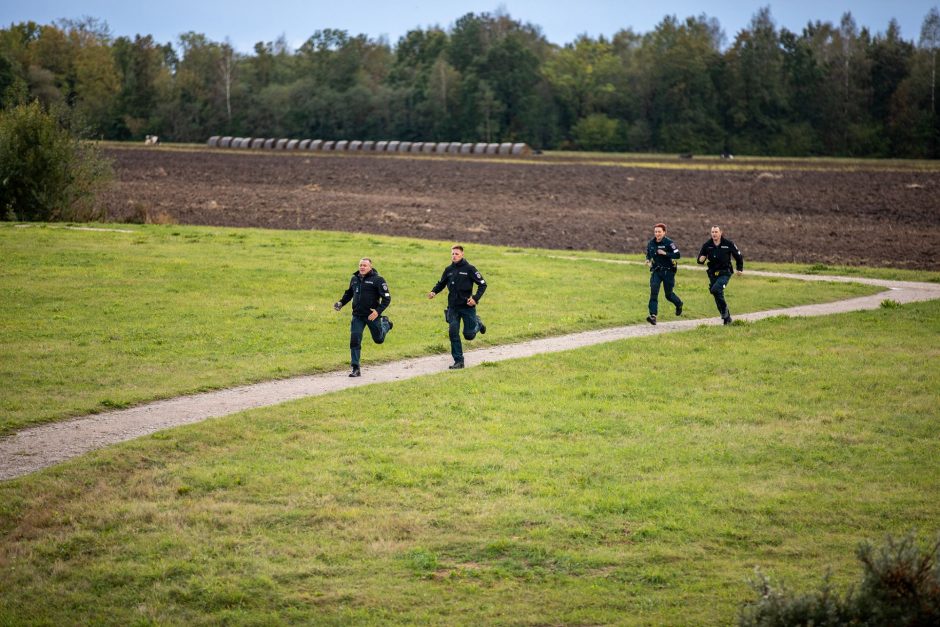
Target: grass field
{"points": [[92, 320], [637, 482]]}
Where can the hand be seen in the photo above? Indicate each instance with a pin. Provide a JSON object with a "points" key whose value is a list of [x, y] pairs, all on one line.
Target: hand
{"points": [[431, 295], [471, 302], [660, 251], [740, 271], [337, 306], [649, 264], [701, 259], [373, 315]]}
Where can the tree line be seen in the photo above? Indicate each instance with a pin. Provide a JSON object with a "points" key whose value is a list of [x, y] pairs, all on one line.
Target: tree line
{"points": [[832, 89]]}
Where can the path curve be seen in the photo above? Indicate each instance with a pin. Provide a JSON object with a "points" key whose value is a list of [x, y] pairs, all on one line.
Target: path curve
{"points": [[38, 447]]}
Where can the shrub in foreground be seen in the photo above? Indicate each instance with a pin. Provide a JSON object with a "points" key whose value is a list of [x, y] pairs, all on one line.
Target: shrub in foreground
{"points": [[46, 173], [900, 586]]}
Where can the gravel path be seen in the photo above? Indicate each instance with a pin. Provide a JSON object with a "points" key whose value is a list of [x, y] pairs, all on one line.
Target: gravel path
{"points": [[39, 447]]}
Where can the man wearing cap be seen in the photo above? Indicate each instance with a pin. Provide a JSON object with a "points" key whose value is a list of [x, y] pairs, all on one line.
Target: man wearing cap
{"points": [[370, 297], [661, 256], [460, 277], [718, 252]]}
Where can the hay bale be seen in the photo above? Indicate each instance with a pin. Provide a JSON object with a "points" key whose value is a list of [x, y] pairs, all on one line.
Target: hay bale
{"points": [[225, 142], [328, 146], [466, 149], [368, 146], [341, 146], [316, 144], [269, 143], [480, 148], [396, 146], [492, 149], [292, 144], [304, 144], [257, 142], [505, 148], [521, 149], [415, 147], [213, 141], [355, 146], [429, 147], [454, 148], [382, 146], [281, 144]]}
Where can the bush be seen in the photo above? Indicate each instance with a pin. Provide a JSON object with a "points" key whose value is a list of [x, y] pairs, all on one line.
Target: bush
{"points": [[46, 173], [598, 132], [900, 586]]}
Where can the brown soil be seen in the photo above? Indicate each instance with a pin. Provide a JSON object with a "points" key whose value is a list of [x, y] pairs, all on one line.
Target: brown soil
{"points": [[869, 216]]}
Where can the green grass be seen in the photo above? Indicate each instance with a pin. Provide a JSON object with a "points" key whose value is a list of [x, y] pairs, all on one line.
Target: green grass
{"points": [[95, 320], [637, 482]]}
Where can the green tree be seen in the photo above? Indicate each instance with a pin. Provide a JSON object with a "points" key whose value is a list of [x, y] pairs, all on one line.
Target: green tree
{"points": [[46, 173], [583, 76], [930, 41], [755, 88], [681, 68]]}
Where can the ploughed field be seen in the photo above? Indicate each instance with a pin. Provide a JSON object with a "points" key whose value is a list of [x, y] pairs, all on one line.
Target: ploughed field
{"points": [[830, 212]]}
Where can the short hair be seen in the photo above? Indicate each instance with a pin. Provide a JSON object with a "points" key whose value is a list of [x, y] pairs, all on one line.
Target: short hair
{"points": [[366, 259], [715, 226], [659, 226], [457, 247]]}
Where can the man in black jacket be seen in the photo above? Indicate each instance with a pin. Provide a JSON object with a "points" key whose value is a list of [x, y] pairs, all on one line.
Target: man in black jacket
{"points": [[661, 256], [718, 252], [460, 277], [370, 297]]}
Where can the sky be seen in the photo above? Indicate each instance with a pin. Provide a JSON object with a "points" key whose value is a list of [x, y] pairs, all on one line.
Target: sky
{"points": [[245, 23]]}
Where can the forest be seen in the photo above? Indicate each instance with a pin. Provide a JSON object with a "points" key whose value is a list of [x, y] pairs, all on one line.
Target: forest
{"points": [[684, 87]]}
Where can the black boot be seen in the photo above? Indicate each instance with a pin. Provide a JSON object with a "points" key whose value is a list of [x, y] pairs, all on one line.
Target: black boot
{"points": [[457, 365], [651, 319], [355, 372]]}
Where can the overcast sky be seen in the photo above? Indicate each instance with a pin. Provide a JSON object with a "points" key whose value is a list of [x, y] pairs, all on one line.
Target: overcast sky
{"points": [[245, 23]]}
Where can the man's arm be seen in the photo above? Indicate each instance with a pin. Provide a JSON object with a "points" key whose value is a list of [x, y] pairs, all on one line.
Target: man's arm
{"points": [[347, 296], [738, 257], [438, 286], [481, 285], [385, 296], [702, 254]]}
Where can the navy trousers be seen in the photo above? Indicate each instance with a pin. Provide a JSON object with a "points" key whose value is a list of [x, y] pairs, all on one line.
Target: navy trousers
{"points": [[378, 328]]}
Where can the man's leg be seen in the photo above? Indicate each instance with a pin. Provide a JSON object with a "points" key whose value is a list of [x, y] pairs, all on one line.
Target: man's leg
{"points": [[379, 329], [453, 330], [471, 324], [355, 342], [718, 291]]}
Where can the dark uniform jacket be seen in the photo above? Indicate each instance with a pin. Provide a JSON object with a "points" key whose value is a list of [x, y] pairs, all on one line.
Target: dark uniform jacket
{"points": [[459, 278], [662, 262], [719, 257], [367, 293]]}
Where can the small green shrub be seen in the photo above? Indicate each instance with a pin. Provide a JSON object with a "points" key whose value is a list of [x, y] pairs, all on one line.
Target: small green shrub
{"points": [[46, 173], [890, 304], [900, 586]]}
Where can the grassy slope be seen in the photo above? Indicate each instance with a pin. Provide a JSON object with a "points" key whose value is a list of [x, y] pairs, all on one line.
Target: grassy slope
{"points": [[94, 320], [637, 482]]}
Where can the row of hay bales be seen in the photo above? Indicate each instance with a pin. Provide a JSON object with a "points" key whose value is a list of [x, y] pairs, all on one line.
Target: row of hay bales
{"points": [[452, 148]]}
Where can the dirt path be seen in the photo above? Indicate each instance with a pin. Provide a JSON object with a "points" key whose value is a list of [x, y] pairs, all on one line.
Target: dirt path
{"points": [[35, 448]]}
